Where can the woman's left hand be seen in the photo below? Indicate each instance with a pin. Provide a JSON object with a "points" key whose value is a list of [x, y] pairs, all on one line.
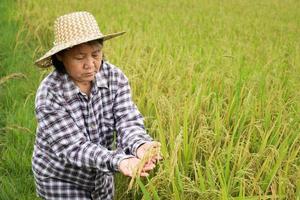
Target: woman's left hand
{"points": [[144, 148]]}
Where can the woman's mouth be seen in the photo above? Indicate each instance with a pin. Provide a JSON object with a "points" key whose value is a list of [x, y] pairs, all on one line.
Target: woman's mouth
{"points": [[89, 74]]}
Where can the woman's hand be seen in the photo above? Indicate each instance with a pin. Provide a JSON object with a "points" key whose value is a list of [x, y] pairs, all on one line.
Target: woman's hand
{"points": [[144, 148], [129, 167]]}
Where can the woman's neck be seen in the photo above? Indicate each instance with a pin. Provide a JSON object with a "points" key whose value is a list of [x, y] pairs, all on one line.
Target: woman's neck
{"points": [[85, 87]]}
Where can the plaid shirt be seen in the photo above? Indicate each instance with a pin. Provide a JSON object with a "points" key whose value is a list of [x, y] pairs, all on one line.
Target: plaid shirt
{"points": [[75, 133]]}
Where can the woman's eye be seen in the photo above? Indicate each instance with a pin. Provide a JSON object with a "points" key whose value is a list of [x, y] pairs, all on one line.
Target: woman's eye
{"points": [[95, 55], [79, 58]]}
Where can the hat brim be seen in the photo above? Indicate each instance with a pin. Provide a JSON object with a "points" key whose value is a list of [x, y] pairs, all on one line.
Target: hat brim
{"points": [[45, 60]]}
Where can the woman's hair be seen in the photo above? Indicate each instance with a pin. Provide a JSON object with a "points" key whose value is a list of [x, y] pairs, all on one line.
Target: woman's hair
{"points": [[59, 66]]}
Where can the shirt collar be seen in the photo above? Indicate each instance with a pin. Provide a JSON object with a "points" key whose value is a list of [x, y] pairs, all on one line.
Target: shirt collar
{"points": [[69, 87], [101, 77]]}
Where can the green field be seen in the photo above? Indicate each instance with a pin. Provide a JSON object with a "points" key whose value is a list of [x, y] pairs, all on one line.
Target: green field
{"points": [[218, 83]]}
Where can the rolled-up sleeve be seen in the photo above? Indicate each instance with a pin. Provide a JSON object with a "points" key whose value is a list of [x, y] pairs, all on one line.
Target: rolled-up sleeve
{"points": [[131, 132], [69, 143]]}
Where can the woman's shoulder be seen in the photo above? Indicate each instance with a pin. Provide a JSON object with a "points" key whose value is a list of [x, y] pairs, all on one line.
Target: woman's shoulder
{"points": [[113, 72], [111, 68], [51, 82], [49, 85]]}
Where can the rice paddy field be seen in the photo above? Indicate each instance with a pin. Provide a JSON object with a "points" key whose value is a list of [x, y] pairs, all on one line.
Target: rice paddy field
{"points": [[218, 83]]}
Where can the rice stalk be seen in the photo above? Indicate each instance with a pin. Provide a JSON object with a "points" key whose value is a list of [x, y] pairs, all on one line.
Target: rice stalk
{"points": [[11, 76]]}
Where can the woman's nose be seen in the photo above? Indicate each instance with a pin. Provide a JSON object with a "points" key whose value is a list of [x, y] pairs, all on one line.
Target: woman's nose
{"points": [[89, 63]]}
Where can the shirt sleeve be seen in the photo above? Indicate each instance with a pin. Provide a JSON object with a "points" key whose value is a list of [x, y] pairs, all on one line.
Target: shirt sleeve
{"points": [[69, 142], [130, 128]]}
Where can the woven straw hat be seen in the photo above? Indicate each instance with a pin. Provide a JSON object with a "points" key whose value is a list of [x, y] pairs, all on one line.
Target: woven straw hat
{"points": [[73, 29]]}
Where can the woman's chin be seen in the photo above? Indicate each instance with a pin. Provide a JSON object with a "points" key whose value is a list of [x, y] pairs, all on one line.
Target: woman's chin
{"points": [[88, 77]]}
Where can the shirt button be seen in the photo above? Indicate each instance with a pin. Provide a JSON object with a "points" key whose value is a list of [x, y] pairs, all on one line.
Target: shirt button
{"points": [[93, 126]]}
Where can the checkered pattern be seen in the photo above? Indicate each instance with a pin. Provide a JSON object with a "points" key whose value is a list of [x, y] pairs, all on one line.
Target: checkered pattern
{"points": [[74, 151]]}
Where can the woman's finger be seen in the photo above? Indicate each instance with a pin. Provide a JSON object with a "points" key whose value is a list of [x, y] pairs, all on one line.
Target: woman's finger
{"points": [[155, 144], [148, 167], [158, 157], [144, 174]]}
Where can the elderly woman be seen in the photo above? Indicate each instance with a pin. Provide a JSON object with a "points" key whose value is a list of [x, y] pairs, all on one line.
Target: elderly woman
{"points": [[79, 106]]}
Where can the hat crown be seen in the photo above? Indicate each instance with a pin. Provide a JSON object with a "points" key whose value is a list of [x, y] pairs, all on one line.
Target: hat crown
{"points": [[75, 26]]}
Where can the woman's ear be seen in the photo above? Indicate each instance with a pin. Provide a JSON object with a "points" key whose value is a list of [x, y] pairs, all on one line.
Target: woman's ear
{"points": [[59, 57]]}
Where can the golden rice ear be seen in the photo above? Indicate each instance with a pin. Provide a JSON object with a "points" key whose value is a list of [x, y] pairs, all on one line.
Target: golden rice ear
{"points": [[153, 151]]}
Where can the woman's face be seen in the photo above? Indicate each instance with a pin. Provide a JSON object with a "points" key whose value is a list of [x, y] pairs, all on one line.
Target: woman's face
{"points": [[82, 62]]}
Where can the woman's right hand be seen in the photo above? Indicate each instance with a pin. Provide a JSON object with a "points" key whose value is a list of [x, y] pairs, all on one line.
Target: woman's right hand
{"points": [[129, 166]]}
